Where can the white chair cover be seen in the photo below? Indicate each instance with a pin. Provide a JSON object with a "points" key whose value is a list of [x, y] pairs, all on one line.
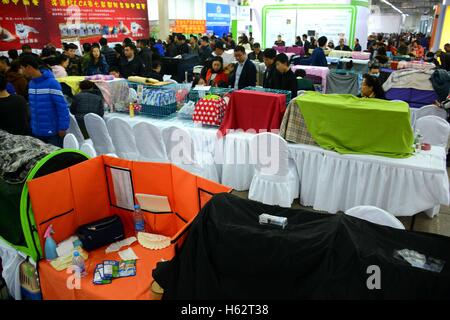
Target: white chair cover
{"points": [[11, 261], [434, 130], [181, 152], [197, 69], [430, 110], [150, 143], [276, 180], [123, 139], [70, 142], [88, 149], [96, 127], [75, 129], [375, 215]]}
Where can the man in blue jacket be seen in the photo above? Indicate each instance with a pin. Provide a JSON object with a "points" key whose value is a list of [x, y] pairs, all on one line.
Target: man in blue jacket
{"points": [[317, 58], [48, 108]]}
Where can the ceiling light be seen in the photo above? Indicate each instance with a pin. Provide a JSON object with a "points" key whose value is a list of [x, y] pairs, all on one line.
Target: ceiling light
{"points": [[394, 7]]}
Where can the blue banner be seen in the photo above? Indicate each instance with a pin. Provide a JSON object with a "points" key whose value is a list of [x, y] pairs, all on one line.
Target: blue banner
{"points": [[218, 17]]}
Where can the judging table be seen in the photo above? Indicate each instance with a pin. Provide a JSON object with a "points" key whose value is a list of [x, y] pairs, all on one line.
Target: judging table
{"points": [[330, 181], [253, 110]]}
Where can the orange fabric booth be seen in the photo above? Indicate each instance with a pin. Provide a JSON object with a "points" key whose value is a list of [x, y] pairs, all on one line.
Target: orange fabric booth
{"points": [[97, 189]]}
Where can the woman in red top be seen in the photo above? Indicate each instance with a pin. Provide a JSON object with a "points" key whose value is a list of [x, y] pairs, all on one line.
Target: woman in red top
{"points": [[216, 76], [417, 50]]}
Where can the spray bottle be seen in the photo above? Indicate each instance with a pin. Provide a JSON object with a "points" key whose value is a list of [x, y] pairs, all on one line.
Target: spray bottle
{"points": [[50, 244]]}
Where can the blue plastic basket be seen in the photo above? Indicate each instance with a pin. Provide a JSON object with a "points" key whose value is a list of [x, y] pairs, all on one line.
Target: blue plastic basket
{"points": [[158, 111], [134, 85], [287, 93], [194, 94]]}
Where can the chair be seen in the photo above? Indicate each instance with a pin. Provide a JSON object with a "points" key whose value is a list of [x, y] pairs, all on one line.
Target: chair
{"points": [[75, 129], [88, 149], [150, 143], [342, 83], [70, 142], [430, 110], [96, 127], [123, 139], [181, 152], [375, 215], [434, 130], [275, 182], [197, 69]]}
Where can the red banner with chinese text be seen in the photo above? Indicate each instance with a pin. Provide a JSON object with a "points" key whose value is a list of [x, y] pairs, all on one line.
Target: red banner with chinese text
{"points": [[38, 22]]}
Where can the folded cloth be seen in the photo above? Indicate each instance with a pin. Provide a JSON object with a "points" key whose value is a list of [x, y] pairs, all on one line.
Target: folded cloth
{"points": [[104, 77], [73, 82], [409, 79], [143, 80], [62, 263]]}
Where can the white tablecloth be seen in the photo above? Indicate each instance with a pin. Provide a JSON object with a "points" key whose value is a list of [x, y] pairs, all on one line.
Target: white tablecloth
{"points": [[404, 187], [329, 181]]}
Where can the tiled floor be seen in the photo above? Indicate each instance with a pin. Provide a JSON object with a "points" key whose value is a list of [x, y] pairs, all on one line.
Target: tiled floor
{"points": [[439, 224]]}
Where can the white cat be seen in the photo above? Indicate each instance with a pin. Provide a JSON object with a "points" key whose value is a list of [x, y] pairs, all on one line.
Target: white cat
{"points": [[22, 31], [135, 27]]}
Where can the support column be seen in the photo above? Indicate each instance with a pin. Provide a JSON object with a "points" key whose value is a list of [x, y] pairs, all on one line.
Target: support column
{"points": [[439, 28], [164, 26]]}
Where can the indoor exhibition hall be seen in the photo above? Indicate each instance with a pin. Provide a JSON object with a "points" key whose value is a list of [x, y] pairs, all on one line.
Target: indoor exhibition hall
{"points": [[210, 151]]}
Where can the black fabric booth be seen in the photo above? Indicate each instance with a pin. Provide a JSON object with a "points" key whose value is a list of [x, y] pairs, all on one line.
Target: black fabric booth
{"points": [[229, 255]]}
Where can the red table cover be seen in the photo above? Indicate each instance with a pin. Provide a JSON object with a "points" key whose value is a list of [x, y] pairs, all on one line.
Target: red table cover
{"points": [[254, 110]]}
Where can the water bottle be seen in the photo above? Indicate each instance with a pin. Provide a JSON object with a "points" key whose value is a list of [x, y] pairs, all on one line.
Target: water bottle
{"points": [[78, 261], [131, 109], [418, 141], [138, 218]]}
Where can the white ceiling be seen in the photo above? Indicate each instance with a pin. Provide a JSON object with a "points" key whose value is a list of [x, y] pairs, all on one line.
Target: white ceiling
{"points": [[419, 7]]}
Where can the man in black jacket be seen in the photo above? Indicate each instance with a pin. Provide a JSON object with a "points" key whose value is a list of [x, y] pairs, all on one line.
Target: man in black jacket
{"points": [[182, 46], [342, 46], [145, 54], [257, 54], [306, 44], [131, 65], [271, 75], [288, 81], [205, 50], [86, 102], [445, 57], [244, 70], [108, 53]]}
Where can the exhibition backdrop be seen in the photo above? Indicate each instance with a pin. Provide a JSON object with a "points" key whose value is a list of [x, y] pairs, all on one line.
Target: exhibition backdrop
{"points": [[333, 18], [218, 17], [38, 22]]}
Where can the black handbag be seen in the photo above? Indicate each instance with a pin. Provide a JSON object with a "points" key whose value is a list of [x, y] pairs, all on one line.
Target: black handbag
{"points": [[101, 233]]}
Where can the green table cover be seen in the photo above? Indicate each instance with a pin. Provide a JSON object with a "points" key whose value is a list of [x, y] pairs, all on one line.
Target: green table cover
{"points": [[351, 125]]}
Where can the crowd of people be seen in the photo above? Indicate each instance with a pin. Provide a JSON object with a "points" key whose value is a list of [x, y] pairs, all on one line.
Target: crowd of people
{"points": [[32, 101]]}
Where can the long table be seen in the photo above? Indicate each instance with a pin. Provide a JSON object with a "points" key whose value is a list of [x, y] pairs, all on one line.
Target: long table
{"points": [[330, 181]]}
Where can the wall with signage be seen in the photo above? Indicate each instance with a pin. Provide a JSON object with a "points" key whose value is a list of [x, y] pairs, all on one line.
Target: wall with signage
{"points": [[190, 26], [332, 18], [218, 18]]}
